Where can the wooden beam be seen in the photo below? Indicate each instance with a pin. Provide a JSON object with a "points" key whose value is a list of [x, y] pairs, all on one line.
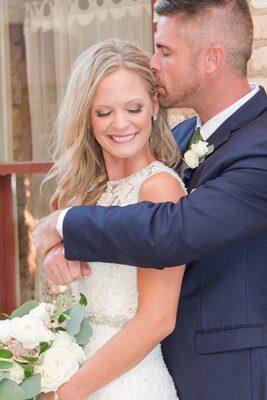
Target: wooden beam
{"points": [[7, 247], [25, 168]]}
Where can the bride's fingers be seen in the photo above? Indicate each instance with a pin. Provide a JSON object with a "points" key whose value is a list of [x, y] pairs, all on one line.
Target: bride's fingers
{"points": [[85, 268], [56, 267], [75, 270]]}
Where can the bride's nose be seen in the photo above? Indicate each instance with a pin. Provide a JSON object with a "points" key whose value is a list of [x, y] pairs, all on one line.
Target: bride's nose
{"points": [[120, 120]]}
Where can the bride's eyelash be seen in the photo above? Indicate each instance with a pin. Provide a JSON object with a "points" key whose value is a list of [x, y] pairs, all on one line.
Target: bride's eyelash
{"points": [[106, 114], [136, 110]]}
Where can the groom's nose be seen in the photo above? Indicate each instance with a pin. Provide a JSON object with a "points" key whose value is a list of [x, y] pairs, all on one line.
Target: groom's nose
{"points": [[154, 63]]}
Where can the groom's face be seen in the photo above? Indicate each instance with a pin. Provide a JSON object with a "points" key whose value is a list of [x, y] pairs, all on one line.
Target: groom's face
{"points": [[175, 64]]}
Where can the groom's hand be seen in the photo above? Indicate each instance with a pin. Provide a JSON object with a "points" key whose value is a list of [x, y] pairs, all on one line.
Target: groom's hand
{"points": [[60, 270], [46, 235]]}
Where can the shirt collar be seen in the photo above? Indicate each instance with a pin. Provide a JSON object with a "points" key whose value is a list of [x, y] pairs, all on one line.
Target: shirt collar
{"points": [[213, 124]]}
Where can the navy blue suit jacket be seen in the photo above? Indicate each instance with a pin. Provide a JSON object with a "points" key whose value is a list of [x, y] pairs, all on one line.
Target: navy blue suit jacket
{"points": [[219, 347]]}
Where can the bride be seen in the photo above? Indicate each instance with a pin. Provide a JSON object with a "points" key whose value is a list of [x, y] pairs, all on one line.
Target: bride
{"points": [[114, 147]]}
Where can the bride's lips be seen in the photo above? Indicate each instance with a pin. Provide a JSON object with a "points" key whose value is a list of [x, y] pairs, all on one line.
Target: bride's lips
{"points": [[123, 138]]}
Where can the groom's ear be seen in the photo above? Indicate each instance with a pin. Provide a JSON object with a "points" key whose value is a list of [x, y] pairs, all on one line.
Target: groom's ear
{"points": [[214, 58]]}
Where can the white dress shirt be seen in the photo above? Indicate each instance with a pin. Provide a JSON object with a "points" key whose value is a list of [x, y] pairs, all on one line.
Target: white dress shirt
{"points": [[213, 124], [206, 131]]}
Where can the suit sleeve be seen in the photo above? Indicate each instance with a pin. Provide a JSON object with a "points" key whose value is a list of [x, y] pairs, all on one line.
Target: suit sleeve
{"points": [[219, 213]]}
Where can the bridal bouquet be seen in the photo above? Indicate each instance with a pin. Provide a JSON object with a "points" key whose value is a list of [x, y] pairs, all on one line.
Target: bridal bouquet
{"points": [[41, 346]]}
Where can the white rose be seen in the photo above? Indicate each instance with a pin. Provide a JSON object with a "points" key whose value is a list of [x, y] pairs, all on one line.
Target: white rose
{"points": [[42, 311], [77, 353], [5, 331], [200, 148], [191, 159], [57, 368], [30, 332], [16, 373], [65, 341]]}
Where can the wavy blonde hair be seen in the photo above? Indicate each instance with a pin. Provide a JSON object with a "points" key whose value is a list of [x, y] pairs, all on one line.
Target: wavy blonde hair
{"points": [[79, 166]]}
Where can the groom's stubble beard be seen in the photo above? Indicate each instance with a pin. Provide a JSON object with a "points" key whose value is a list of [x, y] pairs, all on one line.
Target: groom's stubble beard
{"points": [[183, 90]]}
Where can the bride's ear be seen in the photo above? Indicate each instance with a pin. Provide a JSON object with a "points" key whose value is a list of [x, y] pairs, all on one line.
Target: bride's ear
{"points": [[155, 105]]}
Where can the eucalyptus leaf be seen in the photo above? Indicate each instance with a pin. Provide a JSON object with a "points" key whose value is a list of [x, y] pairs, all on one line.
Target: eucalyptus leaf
{"points": [[11, 390], [32, 386], [6, 354], [86, 331], [24, 309], [6, 364], [4, 375], [76, 314]]}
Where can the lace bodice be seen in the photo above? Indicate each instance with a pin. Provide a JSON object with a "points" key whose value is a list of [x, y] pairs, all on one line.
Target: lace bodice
{"points": [[113, 287]]}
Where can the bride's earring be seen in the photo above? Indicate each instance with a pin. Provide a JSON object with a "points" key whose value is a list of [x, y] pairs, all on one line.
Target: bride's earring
{"points": [[155, 117]]}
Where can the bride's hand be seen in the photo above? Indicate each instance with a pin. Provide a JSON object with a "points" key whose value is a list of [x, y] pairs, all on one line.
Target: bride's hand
{"points": [[60, 270]]}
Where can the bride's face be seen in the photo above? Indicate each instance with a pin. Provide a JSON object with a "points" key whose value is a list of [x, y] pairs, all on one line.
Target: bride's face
{"points": [[121, 114]]}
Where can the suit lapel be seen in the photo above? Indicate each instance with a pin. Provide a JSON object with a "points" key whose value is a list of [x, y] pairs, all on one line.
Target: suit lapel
{"points": [[249, 111]]}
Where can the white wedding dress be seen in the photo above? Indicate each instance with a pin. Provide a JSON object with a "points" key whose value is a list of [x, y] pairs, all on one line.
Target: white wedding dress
{"points": [[111, 290]]}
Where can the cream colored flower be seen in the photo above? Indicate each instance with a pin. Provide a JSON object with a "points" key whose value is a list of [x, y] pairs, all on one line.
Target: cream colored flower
{"points": [[65, 341], [5, 331], [30, 332], [191, 159], [57, 367], [42, 311], [200, 148], [16, 373]]}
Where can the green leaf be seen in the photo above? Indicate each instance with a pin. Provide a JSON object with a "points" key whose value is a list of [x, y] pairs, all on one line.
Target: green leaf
{"points": [[83, 300], [30, 359], [32, 386], [11, 390], [76, 314], [6, 353], [62, 318], [28, 370], [6, 364], [86, 331], [24, 309], [44, 346]]}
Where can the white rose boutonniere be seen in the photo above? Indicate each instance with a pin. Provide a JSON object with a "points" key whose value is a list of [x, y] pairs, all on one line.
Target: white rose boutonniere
{"points": [[197, 153]]}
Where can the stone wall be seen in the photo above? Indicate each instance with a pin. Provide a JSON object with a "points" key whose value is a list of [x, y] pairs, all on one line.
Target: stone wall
{"points": [[258, 62]]}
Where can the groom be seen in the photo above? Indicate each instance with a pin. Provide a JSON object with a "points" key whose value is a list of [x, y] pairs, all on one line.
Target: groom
{"points": [[218, 350]]}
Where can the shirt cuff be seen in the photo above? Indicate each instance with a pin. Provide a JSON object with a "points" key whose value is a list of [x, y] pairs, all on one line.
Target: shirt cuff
{"points": [[60, 221]]}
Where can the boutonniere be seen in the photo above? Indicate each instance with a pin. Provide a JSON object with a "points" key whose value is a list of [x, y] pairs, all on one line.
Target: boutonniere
{"points": [[197, 153]]}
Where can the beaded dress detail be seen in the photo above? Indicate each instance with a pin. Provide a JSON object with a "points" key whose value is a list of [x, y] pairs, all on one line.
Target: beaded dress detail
{"points": [[112, 295]]}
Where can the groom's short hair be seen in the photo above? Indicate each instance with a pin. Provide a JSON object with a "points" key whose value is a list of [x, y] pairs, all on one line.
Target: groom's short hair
{"points": [[230, 21]]}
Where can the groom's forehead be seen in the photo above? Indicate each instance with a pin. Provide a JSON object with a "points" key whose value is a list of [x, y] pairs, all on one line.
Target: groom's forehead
{"points": [[170, 29]]}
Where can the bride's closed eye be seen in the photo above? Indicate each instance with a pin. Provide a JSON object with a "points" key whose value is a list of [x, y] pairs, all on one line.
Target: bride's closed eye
{"points": [[135, 110]]}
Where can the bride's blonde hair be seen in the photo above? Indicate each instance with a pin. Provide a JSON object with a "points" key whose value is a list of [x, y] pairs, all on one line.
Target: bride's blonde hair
{"points": [[79, 165]]}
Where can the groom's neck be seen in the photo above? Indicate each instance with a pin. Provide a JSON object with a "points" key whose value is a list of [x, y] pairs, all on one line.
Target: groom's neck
{"points": [[219, 95]]}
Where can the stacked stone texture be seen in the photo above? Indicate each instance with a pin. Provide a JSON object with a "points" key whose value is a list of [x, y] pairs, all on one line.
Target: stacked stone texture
{"points": [[258, 62]]}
